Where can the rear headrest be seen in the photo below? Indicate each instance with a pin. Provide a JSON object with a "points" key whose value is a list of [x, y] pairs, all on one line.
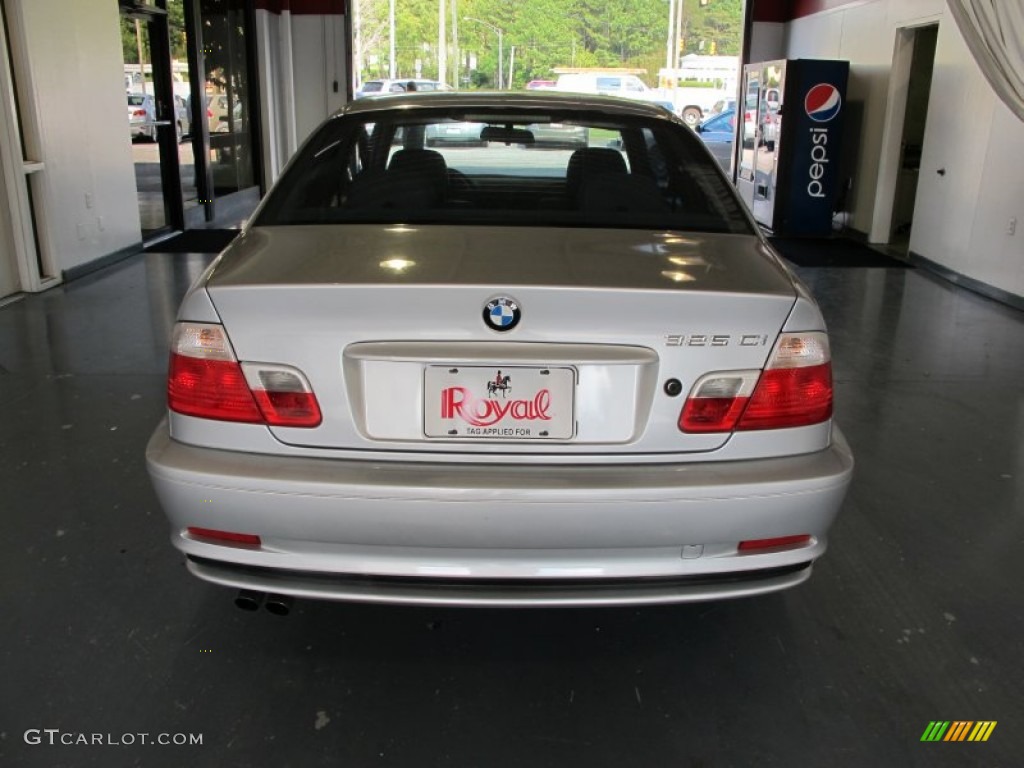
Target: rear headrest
{"points": [[591, 162], [418, 161]]}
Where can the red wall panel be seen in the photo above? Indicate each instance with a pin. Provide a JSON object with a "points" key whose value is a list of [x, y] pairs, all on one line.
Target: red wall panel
{"points": [[782, 11]]}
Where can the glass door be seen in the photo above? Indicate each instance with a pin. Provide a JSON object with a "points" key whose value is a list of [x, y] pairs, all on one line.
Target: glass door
{"points": [[231, 102], [157, 116]]}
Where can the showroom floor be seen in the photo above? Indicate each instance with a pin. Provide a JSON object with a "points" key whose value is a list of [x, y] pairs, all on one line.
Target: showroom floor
{"points": [[915, 615]]}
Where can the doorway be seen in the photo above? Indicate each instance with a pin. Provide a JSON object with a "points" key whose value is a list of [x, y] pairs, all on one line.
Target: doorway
{"points": [[157, 117], [193, 111], [910, 86]]}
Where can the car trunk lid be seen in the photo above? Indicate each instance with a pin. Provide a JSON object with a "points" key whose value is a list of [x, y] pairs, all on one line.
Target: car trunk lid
{"points": [[388, 324]]}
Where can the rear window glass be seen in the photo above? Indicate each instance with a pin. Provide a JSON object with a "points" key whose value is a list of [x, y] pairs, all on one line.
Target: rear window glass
{"points": [[372, 86], [136, 101], [512, 168]]}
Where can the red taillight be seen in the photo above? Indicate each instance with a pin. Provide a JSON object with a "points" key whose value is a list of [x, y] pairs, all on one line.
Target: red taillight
{"points": [[794, 390], [712, 414], [210, 389], [205, 380], [225, 537], [778, 541], [139, 113], [790, 397]]}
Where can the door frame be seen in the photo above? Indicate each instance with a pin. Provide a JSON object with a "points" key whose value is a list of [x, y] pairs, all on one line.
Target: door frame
{"points": [[34, 267], [892, 133]]}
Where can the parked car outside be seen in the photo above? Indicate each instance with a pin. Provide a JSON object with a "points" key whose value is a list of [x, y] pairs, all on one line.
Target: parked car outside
{"points": [[558, 136], [182, 118], [400, 85], [691, 104], [767, 125], [141, 116], [721, 106], [455, 133], [498, 377], [217, 112], [719, 134]]}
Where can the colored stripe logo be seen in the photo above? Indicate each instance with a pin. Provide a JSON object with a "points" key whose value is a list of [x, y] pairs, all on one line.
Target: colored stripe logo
{"points": [[958, 730]]}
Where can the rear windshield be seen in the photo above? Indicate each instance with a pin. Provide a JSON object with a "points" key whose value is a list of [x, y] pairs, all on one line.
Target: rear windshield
{"points": [[373, 85], [512, 168], [136, 101]]}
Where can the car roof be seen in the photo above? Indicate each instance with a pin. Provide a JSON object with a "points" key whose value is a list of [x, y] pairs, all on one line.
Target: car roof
{"points": [[525, 100]]}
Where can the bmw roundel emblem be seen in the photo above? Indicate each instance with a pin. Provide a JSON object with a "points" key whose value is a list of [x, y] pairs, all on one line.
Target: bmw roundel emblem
{"points": [[501, 314]]}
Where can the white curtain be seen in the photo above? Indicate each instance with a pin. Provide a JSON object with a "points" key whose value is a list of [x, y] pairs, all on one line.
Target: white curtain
{"points": [[994, 31]]}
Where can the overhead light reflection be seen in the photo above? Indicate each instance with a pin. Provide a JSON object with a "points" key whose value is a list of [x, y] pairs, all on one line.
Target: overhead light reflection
{"points": [[397, 265], [671, 239], [678, 276], [687, 261]]}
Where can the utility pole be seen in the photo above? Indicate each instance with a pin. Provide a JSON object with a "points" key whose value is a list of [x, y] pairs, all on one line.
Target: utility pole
{"points": [[391, 22], [357, 52], [455, 45], [138, 48], [442, 43], [679, 35], [669, 45]]}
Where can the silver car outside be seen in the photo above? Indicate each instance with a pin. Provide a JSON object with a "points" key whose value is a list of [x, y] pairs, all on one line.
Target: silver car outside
{"points": [[357, 308]]}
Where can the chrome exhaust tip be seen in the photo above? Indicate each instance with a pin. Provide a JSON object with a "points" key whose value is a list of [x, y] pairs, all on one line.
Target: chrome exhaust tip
{"points": [[279, 605], [248, 599]]}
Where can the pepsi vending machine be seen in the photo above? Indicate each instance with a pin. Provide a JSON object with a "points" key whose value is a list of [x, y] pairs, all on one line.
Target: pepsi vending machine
{"points": [[788, 169]]}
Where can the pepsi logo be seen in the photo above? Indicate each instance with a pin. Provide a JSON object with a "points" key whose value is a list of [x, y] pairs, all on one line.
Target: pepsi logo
{"points": [[822, 102]]}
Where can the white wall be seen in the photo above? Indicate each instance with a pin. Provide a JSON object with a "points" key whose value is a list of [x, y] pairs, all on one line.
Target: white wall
{"points": [[68, 66], [767, 41], [301, 56], [961, 218]]}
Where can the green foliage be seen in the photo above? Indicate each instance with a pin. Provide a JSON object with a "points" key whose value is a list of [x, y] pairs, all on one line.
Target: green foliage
{"points": [[545, 34], [176, 24], [719, 22]]}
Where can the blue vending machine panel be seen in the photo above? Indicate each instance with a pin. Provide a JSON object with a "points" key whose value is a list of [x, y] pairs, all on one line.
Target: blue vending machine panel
{"points": [[810, 142]]}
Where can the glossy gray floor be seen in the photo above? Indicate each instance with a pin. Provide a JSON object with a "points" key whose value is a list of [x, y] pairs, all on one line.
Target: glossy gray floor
{"points": [[916, 614]]}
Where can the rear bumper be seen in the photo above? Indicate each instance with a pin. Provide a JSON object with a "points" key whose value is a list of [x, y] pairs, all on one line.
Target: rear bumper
{"points": [[519, 593], [498, 534]]}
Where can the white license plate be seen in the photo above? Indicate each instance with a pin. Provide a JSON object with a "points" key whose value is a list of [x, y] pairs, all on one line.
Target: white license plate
{"points": [[498, 402]]}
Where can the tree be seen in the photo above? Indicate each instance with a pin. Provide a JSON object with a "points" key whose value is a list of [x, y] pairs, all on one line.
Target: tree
{"points": [[546, 34], [176, 25]]}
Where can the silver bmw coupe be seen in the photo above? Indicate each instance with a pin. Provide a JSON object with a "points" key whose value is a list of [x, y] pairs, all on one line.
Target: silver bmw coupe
{"points": [[500, 376]]}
